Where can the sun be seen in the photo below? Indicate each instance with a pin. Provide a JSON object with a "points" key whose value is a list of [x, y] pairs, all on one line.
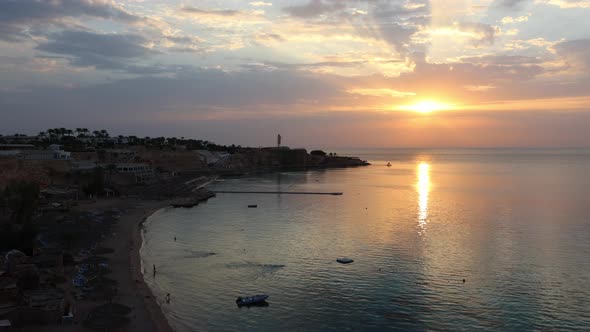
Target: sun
{"points": [[426, 106]]}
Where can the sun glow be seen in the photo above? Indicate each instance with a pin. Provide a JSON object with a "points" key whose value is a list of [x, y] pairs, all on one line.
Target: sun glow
{"points": [[426, 106], [423, 187]]}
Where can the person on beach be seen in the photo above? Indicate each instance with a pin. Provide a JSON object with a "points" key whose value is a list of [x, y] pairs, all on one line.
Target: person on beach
{"points": [[154, 270]]}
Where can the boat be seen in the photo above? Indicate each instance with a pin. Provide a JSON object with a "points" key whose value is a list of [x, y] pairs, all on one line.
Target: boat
{"points": [[253, 206], [388, 164], [252, 300], [345, 260]]}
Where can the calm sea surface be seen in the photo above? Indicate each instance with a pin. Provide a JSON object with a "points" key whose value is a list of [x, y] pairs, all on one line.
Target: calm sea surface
{"points": [[515, 224]]}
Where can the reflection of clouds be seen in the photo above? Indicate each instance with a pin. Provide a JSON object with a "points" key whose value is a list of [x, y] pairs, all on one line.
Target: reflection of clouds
{"points": [[423, 187]]}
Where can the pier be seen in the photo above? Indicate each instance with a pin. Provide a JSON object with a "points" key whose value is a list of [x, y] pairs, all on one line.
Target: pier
{"points": [[279, 192]]}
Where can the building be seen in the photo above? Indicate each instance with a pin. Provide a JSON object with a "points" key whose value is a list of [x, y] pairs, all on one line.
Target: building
{"points": [[212, 157], [118, 156], [143, 172], [18, 147], [83, 165], [14, 150], [18, 138], [53, 152]]}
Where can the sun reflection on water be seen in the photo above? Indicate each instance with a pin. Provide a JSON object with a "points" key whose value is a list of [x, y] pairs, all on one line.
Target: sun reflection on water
{"points": [[423, 187]]}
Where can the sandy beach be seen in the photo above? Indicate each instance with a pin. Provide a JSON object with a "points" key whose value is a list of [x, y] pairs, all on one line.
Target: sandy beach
{"points": [[125, 263]]}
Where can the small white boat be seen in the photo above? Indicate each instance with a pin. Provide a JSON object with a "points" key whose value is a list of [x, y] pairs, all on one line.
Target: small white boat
{"points": [[251, 300], [345, 260]]}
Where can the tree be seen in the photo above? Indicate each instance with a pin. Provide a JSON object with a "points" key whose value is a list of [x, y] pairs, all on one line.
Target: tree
{"points": [[83, 132], [318, 153]]}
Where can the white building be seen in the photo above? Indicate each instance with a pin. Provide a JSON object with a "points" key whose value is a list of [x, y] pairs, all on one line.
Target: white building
{"points": [[53, 152], [28, 152]]}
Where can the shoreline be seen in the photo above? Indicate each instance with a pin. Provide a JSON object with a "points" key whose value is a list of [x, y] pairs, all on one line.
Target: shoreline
{"points": [[153, 308]]}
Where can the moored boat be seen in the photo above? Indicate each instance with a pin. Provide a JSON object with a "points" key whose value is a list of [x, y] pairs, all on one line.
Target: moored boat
{"points": [[345, 260], [251, 300]]}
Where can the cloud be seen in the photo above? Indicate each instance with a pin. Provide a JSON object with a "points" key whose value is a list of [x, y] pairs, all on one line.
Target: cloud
{"points": [[479, 88], [476, 34], [192, 90], [567, 4], [483, 34], [260, 4], [17, 15], [510, 3], [315, 8], [213, 12], [102, 51], [504, 60], [397, 35], [575, 52], [518, 19], [224, 18], [382, 92]]}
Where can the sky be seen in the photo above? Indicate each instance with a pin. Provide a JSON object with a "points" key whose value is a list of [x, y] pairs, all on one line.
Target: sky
{"points": [[322, 73]]}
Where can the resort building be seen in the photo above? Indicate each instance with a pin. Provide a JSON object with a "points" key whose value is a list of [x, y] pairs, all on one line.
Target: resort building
{"points": [[53, 152], [13, 150], [118, 156], [143, 172]]}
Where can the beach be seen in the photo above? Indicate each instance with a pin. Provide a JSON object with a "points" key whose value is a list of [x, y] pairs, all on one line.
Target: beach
{"points": [[125, 265]]}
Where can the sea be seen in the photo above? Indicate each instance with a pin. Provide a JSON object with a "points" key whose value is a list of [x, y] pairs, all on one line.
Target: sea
{"points": [[442, 240]]}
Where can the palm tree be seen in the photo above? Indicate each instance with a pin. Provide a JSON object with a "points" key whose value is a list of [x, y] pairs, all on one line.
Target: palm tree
{"points": [[52, 134], [85, 132]]}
